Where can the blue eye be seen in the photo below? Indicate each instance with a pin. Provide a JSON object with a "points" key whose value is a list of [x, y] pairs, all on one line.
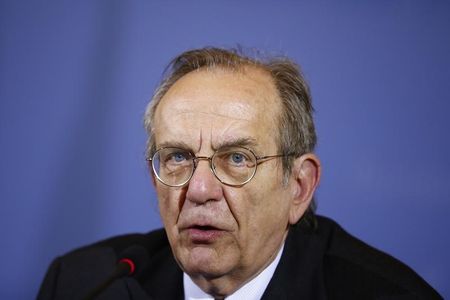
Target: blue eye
{"points": [[237, 158], [178, 156]]}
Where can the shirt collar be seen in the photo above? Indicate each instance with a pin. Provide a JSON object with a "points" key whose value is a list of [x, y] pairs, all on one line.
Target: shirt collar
{"points": [[252, 290]]}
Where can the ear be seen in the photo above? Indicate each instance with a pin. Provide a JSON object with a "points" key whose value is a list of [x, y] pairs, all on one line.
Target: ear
{"points": [[304, 180]]}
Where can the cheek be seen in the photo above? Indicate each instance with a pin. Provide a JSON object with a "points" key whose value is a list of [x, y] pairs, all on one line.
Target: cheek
{"points": [[239, 205], [246, 206], [169, 204], [268, 209]]}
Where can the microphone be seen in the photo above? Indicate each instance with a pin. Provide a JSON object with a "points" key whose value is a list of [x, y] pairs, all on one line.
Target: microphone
{"points": [[131, 261]]}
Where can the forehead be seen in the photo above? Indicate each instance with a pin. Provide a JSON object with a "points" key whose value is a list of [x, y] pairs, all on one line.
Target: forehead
{"points": [[219, 105]]}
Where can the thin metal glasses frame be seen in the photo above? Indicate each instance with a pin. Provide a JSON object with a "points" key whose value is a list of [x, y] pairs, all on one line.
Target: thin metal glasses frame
{"points": [[196, 159]]}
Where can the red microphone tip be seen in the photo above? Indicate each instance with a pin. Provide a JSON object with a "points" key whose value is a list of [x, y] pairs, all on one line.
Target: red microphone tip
{"points": [[130, 263]]}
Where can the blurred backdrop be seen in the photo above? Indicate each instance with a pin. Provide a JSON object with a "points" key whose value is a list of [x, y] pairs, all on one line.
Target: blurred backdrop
{"points": [[75, 77]]}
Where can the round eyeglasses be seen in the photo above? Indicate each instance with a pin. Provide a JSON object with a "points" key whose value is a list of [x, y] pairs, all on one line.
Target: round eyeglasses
{"points": [[233, 166]]}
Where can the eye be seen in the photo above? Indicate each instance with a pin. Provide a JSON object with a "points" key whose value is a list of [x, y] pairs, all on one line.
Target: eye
{"points": [[234, 158], [176, 156], [237, 158]]}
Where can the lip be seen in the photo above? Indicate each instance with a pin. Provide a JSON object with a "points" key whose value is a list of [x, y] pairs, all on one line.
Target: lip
{"points": [[203, 234], [202, 230]]}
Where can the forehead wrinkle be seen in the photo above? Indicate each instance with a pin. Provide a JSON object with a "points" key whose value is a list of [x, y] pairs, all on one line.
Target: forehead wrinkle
{"points": [[200, 140], [225, 116], [187, 111]]}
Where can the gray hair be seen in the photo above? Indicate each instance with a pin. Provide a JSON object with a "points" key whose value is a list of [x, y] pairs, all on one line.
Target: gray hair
{"points": [[297, 134]]}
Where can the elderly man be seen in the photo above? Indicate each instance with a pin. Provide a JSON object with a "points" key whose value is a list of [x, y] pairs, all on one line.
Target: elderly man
{"points": [[230, 148]]}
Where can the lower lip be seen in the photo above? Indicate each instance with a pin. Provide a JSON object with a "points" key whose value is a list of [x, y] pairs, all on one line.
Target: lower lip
{"points": [[199, 236]]}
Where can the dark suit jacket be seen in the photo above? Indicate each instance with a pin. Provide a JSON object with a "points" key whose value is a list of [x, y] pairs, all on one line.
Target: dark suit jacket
{"points": [[321, 263]]}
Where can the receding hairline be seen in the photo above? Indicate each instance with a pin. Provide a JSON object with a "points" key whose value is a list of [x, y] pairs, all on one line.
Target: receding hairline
{"points": [[242, 70]]}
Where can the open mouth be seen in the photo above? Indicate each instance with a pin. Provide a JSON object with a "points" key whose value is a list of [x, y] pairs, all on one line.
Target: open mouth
{"points": [[204, 234], [207, 227]]}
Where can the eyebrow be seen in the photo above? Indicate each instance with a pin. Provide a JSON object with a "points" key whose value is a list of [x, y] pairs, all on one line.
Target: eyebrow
{"points": [[249, 142], [237, 142], [175, 144]]}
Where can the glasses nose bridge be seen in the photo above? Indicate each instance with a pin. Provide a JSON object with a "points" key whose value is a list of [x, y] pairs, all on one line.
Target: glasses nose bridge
{"points": [[197, 159]]}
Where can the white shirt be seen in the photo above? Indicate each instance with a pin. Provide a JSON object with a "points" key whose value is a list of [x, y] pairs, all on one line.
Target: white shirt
{"points": [[252, 290]]}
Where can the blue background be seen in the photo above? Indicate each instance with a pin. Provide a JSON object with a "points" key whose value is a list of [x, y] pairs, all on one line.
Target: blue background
{"points": [[75, 77]]}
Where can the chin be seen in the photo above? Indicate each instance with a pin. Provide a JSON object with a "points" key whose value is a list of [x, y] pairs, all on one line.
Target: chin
{"points": [[206, 262]]}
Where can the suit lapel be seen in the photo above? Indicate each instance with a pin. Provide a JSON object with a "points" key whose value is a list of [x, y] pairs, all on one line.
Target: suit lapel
{"points": [[299, 274], [164, 280]]}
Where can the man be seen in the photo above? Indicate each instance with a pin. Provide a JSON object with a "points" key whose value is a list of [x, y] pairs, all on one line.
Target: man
{"points": [[231, 142]]}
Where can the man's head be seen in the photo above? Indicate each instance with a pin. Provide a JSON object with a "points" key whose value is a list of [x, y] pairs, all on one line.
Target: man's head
{"points": [[224, 234]]}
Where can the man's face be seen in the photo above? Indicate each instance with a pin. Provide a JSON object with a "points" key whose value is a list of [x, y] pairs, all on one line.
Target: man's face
{"points": [[218, 232]]}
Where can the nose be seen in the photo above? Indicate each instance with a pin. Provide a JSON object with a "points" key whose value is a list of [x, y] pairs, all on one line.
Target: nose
{"points": [[203, 186]]}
